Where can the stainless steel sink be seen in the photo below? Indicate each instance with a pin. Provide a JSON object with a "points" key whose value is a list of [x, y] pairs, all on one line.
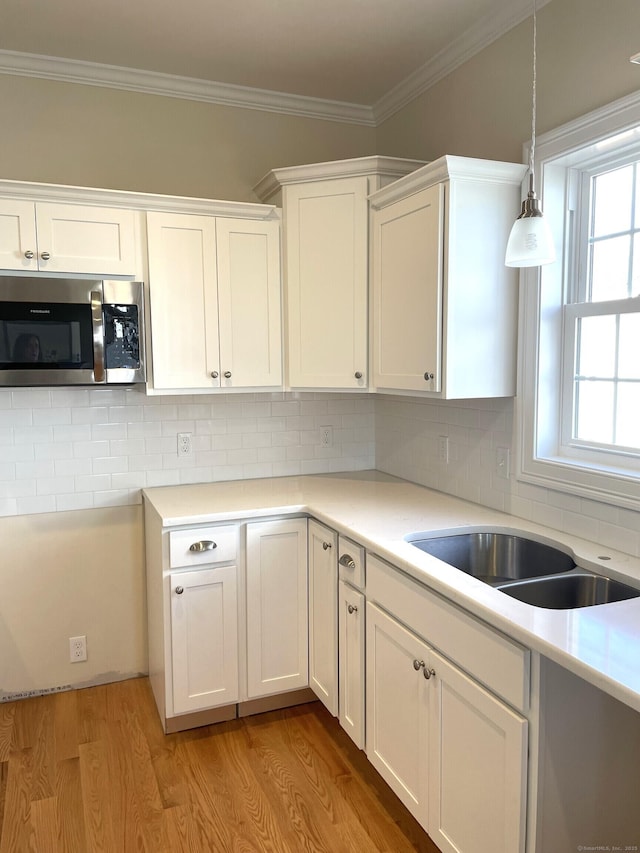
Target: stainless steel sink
{"points": [[532, 572], [563, 592], [497, 557]]}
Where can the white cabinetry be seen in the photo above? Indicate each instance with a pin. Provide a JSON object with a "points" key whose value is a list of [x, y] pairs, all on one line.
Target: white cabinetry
{"points": [[323, 614], [204, 638], [455, 754], [326, 227], [72, 238], [351, 640], [444, 304], [277, 646], [215, 302], [227, 617]]}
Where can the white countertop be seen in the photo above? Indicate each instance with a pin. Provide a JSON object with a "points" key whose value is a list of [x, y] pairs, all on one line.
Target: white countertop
{"points": [[601, 643]]}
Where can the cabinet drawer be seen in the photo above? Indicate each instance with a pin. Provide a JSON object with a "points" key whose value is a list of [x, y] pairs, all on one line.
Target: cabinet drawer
{"points": [[488, 655], [351, 562], [203, 546]]}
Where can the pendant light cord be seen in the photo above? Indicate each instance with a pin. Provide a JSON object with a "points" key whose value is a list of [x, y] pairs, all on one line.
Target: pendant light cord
{"points": [[532, 150]]}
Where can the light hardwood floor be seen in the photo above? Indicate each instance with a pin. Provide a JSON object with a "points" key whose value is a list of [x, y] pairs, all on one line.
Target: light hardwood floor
{"points": [[91, 770]]}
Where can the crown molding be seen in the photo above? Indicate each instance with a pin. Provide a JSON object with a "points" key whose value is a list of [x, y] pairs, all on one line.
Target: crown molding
{"points": [[135, 200], [188, 88], [471, 42], [388, 167]]}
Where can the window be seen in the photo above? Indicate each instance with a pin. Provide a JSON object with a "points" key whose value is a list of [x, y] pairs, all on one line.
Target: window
{"points": [[579, 407]]}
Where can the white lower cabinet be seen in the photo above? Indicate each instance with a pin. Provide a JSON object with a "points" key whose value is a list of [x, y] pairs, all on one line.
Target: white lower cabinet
{"points": [[204, 638], [397, 709], [277, 647], [477, 766], [351, 639], [323, 614], [454, 754]]}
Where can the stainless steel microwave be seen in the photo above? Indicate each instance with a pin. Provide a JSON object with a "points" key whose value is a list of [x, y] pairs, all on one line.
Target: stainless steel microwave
{"points": [[60, 331]]}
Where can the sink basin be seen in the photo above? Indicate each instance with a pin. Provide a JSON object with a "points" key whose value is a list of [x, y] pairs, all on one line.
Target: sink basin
{"points": [[563, 592], [496, 558]]}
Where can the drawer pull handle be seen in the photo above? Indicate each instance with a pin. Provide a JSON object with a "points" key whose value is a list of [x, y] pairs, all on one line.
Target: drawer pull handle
{"points": [[347, 561], [418, 665], [28, 254], [428, 673], [179, 590], [202, 545], [326, 546], [45, 256], [352, 608]]}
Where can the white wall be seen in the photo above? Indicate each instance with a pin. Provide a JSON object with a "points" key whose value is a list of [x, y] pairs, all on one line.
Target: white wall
{"points": [[407, 431], [78, 448]]}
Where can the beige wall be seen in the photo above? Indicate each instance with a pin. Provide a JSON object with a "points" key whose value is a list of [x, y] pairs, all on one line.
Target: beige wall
{"points": [[87, 136], [63, 575], [483, 109]]}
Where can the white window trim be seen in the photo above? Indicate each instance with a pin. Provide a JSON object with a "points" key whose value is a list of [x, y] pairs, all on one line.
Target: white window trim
{"points": [[541, 318]]}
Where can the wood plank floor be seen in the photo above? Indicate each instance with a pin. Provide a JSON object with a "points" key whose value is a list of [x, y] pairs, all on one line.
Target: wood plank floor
{"points": [[91, 770]]}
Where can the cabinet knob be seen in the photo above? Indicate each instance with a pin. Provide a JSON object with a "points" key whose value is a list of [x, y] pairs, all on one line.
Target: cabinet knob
{"points": [[227, 374], [428, 376], [326, 546], [202, 545], [214, 374], [28, 254], [428, 673], [179, 590], [358, 374], [348, 561], [418, 664], [45, 256], [352, 608]]}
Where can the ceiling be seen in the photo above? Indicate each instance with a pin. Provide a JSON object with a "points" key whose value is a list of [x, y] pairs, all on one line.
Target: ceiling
{"points": [[353, 51]]}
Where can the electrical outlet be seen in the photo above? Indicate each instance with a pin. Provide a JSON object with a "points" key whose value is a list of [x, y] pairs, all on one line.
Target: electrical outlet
{"points": [[77, 649], [502, 462], [185, 447], [326, 436], [443, 449]]}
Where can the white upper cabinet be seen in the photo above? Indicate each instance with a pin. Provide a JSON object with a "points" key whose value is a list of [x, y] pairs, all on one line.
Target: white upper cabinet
{"points": [[326, 245], [72, 238], [215, 302], [444, 304]]}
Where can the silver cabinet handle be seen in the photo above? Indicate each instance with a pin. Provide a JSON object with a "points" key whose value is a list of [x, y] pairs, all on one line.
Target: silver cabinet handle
{"points": [[179, 590], [358, 374], [352, 608], [227, 374], [428, 376], [28, 254], [326, 546], [202, 545], [214, 374], [428, 673], [348, 561], [418, 664], [45, 256]]}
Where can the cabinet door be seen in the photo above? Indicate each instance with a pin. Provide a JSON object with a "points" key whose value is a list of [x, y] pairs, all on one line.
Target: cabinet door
{"points": [[323, 615], [351, 662], [17, 235], [397, 709], [204, 638], [183, 300], [249, 302], [84, 239], [326, 283], [277, 646], [407, 292], [477, 781]]}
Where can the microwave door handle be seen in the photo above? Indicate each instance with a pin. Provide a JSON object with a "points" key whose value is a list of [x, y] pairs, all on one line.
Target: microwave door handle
{"points": [[98, 336]]}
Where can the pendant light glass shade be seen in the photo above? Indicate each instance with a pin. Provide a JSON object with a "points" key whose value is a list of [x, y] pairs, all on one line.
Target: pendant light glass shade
{"points": [[530, 242]]}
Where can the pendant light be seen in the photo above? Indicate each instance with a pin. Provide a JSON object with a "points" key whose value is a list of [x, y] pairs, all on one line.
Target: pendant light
{"points": [[530, 242]]}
